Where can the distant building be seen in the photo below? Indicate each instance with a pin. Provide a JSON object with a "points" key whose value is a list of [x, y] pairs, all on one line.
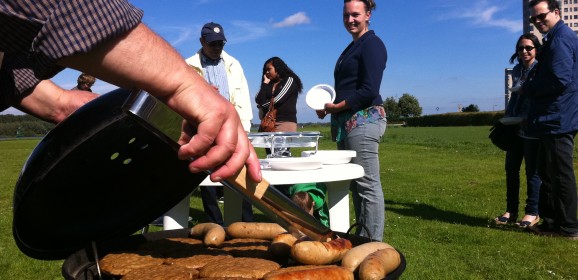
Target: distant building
{"points": [[508, 84]]}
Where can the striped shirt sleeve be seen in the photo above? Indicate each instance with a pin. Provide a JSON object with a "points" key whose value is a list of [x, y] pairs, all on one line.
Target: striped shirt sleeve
{"points": [[43, 31], [282, 93]]}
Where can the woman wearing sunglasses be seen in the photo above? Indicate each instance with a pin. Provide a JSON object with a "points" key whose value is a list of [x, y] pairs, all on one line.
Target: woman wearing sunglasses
{"points": [[526, 146]]}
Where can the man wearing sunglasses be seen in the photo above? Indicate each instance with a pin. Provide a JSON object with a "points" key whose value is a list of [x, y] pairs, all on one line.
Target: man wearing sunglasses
{"points": [[225, 73], [553, 117]]}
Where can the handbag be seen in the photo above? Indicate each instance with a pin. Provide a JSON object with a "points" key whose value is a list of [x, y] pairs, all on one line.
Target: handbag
{"points": [[268, 121], [504, 136]]}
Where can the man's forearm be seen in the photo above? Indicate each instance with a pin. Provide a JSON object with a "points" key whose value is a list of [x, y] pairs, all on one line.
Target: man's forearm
{"points": [[141, 59], [129, 62], [51, 103]]}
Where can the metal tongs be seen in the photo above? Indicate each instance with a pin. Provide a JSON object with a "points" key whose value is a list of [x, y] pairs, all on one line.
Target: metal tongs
{"points": [[166, 124]]}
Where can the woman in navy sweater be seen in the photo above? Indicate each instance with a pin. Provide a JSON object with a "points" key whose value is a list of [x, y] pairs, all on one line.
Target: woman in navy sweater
{"points": [[358, 118]]}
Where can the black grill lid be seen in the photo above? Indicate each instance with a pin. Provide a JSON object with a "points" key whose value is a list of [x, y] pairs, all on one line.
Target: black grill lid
{"points": [[98, 175]]}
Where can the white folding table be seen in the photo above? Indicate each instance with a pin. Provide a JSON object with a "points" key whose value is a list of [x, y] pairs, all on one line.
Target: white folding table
{"points": [[336, 178]]}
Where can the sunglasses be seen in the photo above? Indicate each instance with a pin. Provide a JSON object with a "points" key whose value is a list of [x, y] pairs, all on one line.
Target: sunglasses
{"points": [[216, 44], [527, 48], [541, 17]]}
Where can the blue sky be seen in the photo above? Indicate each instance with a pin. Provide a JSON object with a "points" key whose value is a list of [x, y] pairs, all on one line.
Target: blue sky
{"points": [[443, 52]]}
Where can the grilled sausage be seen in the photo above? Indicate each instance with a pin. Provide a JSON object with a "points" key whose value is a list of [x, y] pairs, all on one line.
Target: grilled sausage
{"points": [[266, 231], [356, 255], [378, 264], [310, 273], [281, 245], [213, 235], [319, 253]]}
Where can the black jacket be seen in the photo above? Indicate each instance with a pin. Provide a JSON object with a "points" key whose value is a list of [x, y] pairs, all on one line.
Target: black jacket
{"points": [[285, 99]]}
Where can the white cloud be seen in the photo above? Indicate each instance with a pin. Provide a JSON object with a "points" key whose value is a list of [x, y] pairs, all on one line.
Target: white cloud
{"points": [[292, 20], [484, 14], [176, 35], [183, 35], [244, 31]]}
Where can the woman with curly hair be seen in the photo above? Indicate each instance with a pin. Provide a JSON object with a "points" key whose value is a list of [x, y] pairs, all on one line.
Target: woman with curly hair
{"points": [[281, 82]]}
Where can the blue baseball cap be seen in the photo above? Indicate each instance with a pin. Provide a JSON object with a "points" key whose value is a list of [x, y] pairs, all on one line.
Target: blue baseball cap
{"points": [[213, 32]]}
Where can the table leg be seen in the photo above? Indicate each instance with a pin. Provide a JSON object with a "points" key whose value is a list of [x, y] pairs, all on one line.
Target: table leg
{"points": [[233, 207], [338, 203], [178, 216]]}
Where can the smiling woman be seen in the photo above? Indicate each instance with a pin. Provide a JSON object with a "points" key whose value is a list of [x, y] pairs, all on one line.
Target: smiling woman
{"points": [[357, 115]]}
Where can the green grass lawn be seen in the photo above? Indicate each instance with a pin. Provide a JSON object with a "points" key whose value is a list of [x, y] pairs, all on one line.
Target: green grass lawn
{"points": [[443, 187]]}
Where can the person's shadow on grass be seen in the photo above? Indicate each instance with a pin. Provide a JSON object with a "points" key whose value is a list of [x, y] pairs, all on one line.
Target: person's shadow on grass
{"points": [[428, 212]]}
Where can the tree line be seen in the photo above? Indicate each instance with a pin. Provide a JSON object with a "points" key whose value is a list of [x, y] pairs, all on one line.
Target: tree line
{"points": [[407, 106], [23, 126]]}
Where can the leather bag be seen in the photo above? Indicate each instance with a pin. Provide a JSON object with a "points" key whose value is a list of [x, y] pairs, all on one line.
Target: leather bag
{"points": [[503, 136], [268, 121]]}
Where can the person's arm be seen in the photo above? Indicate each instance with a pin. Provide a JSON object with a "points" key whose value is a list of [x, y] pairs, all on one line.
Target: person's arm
{"points": [[331, 108], [371, 66], [261, 97], [142, 59], [243, 100], [555, 72], [52, 103]]}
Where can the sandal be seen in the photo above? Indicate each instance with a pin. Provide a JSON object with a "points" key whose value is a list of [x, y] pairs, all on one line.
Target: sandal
{"points": [[502, 220], [526, 224]]}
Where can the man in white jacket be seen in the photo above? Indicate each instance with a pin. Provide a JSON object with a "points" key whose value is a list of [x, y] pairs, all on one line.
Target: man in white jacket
{"points": [[225, 73]]}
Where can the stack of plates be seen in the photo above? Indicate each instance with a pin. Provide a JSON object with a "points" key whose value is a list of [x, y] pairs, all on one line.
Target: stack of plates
{"points": [[291, 163], [331, 156], [309, 160]]}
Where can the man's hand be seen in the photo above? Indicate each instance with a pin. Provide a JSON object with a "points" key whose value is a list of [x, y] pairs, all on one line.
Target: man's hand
{"points": [[141, 59], [218, 141]]}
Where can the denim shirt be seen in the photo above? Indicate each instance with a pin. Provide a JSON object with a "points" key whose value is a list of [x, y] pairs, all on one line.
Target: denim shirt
{"points": [[519, 105]]}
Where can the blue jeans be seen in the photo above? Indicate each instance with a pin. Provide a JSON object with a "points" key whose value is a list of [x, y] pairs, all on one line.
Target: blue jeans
{"points": [[514, 158], [526, 149], [558, 193], [533, 181], [367, 192], [211, 206]]}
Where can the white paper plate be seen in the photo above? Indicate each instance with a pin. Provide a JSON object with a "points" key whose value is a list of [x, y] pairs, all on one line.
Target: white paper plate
{"points": [[511, 120], [292, 163], [331, 156], [318, 95]]}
